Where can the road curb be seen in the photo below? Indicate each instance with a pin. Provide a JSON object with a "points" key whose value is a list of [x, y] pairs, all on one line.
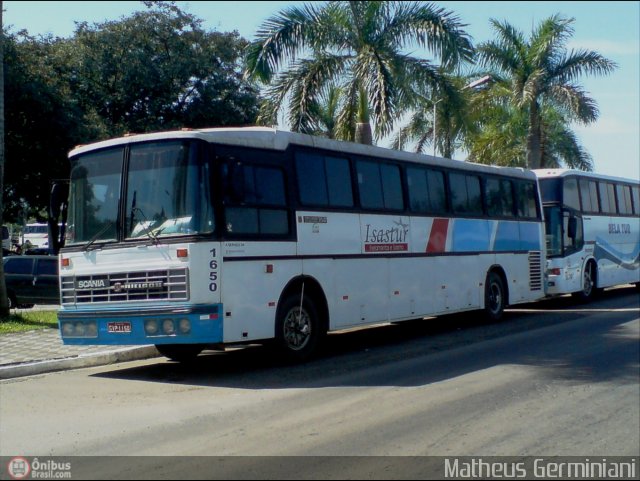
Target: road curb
{"points": [[81, 361]]}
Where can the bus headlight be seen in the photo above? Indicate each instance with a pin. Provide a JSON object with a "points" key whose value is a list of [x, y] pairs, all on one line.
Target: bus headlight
{"points": [[91, 329], [80, 329], [151, 327], [184, 326], [167, 327], [67, 329]]}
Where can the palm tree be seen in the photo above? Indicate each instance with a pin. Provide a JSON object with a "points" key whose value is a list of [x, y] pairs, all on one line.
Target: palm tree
{"points": [[453, 121], [542, 73], [358, 46], [502, 132], [324, 114]]}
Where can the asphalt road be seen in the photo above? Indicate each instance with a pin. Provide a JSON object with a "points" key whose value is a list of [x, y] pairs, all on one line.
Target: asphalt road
{"points": [[553, 379]]}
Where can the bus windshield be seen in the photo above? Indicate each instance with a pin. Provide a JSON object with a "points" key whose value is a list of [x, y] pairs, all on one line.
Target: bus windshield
{"points": [[167, 194], [553, 230]]}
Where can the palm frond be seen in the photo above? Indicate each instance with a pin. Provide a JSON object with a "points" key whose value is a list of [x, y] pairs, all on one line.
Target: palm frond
{"points": [[574, 103]]}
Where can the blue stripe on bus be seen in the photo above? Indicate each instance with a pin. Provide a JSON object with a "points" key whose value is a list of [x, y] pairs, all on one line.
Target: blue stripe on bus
{"points": [[530, 236], [470, 235], [507, 237], [474, 235]]}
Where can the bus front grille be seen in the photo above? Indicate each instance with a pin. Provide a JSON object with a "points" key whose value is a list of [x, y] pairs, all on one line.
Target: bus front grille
{"points": [[535, 271], [161, 285]]}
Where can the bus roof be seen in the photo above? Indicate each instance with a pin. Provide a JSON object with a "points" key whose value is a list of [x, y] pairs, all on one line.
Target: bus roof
{"points": [[273, 139], [555, 173]]}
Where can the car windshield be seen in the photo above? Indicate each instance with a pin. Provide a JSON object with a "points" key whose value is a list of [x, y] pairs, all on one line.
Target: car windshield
{"points": [[167, 194]]}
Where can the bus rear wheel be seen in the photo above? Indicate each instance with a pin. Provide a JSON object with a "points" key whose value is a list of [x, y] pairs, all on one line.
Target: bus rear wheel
{"points": [[495, 297], [298, 329], [180, 352]]}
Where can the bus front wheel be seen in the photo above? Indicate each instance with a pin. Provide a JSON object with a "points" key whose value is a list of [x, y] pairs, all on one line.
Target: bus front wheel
{"points": [[589, 290], [298, 329]]}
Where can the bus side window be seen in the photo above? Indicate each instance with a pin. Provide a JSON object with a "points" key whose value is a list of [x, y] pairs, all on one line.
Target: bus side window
{"points": [[526, 202], [570, 196], [635, 196], [466, 197], [255, 200]]}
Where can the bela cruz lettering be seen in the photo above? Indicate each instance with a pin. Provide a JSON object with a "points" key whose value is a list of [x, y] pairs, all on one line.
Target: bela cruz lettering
{"points": [[619, 228]]}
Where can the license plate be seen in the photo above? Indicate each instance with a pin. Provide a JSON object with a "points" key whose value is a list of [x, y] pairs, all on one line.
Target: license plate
{"points": [[119, 327]]}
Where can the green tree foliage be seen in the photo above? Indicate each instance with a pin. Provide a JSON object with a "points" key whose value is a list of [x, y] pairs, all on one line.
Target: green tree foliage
{"points": [[540, 74], [361, 47], [501, 134], [42, 124], [452, 103], [157, 69]]}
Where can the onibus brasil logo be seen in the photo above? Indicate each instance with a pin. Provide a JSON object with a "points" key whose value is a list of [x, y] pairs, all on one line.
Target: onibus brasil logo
{"points": [[21, 468]]}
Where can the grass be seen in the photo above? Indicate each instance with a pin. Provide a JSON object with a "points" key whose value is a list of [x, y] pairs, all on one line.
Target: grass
{"points": [[28, 321]]}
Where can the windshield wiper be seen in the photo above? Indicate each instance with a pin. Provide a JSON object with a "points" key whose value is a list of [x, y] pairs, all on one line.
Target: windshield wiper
{"points": [[145, 224], [104, 229]]}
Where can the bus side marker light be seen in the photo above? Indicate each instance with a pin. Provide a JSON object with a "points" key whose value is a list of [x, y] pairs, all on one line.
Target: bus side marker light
{"points": [[268, 269], [65, 262], [182, 253]]}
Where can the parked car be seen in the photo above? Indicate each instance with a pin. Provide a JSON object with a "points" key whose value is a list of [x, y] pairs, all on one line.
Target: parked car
{"points": [[31, 280]]}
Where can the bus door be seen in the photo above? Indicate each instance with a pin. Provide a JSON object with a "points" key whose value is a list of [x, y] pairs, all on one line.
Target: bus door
{"points": [[573, 245]]}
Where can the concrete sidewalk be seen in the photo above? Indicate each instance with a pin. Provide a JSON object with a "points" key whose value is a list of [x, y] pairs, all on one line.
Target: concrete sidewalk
{"points": [[41, 351]]}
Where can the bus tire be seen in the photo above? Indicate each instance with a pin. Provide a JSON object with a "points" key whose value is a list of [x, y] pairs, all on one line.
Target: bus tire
{"points": [[298, 331], [589, 290], [180, 352], [495, 297]]}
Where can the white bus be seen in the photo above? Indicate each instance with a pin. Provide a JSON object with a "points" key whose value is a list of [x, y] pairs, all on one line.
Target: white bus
{"points": [[592, 231], [35, 235], [195, 239]]}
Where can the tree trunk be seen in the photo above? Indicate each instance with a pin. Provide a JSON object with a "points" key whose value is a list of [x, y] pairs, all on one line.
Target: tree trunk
{"points": [[534, 152], [364, 134], [4, 301]]}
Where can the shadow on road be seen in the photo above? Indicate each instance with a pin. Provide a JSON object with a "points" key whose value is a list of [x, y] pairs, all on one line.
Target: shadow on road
{"points": [[597, 342]]}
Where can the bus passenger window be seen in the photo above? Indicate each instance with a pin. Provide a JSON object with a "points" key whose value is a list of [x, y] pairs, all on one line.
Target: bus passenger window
{"points": [[499, 195], [256, 200], [324, 181], [570, 195], [466, 197]]}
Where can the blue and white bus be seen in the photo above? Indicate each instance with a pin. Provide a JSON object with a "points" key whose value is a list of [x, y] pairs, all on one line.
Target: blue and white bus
{"points": [[205, 238], [592, 231]]}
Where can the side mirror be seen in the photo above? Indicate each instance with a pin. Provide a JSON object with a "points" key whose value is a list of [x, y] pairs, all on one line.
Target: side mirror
{"points": [[57, 215]]}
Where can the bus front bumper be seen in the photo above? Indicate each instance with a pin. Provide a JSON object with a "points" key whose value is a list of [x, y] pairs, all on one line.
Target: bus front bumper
{"points": [[174, 325]]}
